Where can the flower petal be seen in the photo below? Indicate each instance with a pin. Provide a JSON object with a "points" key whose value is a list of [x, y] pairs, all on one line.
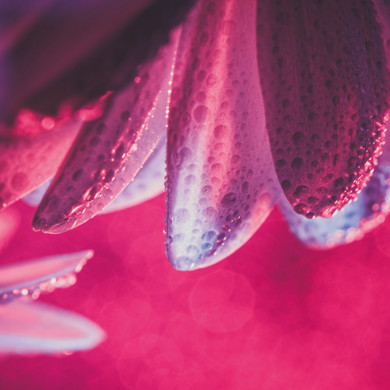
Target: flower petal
{"points": [[35, 197], [27, 162], [220, 183], [148, 183], [40, 275], [354, 220], [85, 48], [323, 74], [109, 151], [31, 327]]}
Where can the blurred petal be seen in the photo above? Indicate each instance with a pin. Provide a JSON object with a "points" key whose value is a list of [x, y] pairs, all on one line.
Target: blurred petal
{"points": [[40, 275], [220, 182], [354, 220], [32, 327], [325, 88], [85, 48], [148, 183], [109, 151], [27, 162]]}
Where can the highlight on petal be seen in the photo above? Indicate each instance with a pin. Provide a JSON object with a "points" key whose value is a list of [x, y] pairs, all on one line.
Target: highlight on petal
{"points": [[221, 183], [30, 327], [354, 220], [31, 278], [148, 183], [27, 162], [325, 88], [109, 151]]}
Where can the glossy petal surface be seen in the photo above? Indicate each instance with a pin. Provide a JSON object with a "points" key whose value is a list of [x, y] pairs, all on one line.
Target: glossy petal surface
{"points": [[220, 174], [109, 151], [32, 327], [40, 275], [148, 183], [27, 162], [323, 74], [354, 220]]}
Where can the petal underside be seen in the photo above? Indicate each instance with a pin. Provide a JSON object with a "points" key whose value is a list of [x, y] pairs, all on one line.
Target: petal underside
{"points": [[109, 151], [221, 183], [352, 222], [148, 183], [325, 85], [29, 327]]}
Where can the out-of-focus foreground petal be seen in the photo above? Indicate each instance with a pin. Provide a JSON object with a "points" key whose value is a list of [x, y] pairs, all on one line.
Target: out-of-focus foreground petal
{"points": [[85, 49], [325, 87], [32, 277], [31, 327], [220, 176], [109, 151], [27, 162]]}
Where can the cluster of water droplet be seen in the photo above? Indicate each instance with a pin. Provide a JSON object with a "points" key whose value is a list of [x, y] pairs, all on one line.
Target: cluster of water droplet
{"points": [[219, 163], [325, 96]]}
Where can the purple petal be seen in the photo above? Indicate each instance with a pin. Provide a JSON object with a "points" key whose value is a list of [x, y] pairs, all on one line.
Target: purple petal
{"points": [[323, 74], [27, 162], [220, 184], [30, 327], [109, 151], [32, 277], [354, 220], [148, 183], [35, 197]]}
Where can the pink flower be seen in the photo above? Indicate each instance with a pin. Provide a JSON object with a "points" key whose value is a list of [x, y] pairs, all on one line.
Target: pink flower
{"points": [[267, 103]]}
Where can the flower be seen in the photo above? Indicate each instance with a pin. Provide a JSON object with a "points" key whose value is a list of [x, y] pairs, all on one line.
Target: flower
{"points": [[270, 103]]}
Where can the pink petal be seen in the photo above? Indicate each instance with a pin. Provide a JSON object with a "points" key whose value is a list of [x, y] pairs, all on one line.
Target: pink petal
{"points": [[148, 183], [40, 275], [325, 84], [35, 197], [221, 181], [27, 162], [76, 51], [31, 327], [354, 220], [109, 151]]}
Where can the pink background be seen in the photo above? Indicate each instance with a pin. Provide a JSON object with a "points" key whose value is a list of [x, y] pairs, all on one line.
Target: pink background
{"points": [[275, 315]]}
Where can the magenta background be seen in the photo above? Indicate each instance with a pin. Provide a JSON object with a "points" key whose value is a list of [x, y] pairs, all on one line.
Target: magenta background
{"points": [[275, 315]]}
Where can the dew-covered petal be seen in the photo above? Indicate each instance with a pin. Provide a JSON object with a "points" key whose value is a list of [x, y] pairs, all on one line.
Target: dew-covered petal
{"points": [[354, 220], [323, 74], [30, 327], [85, 49], [109, 151], [27, 162], [220, 175], [148, 183], [30, 278]]}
